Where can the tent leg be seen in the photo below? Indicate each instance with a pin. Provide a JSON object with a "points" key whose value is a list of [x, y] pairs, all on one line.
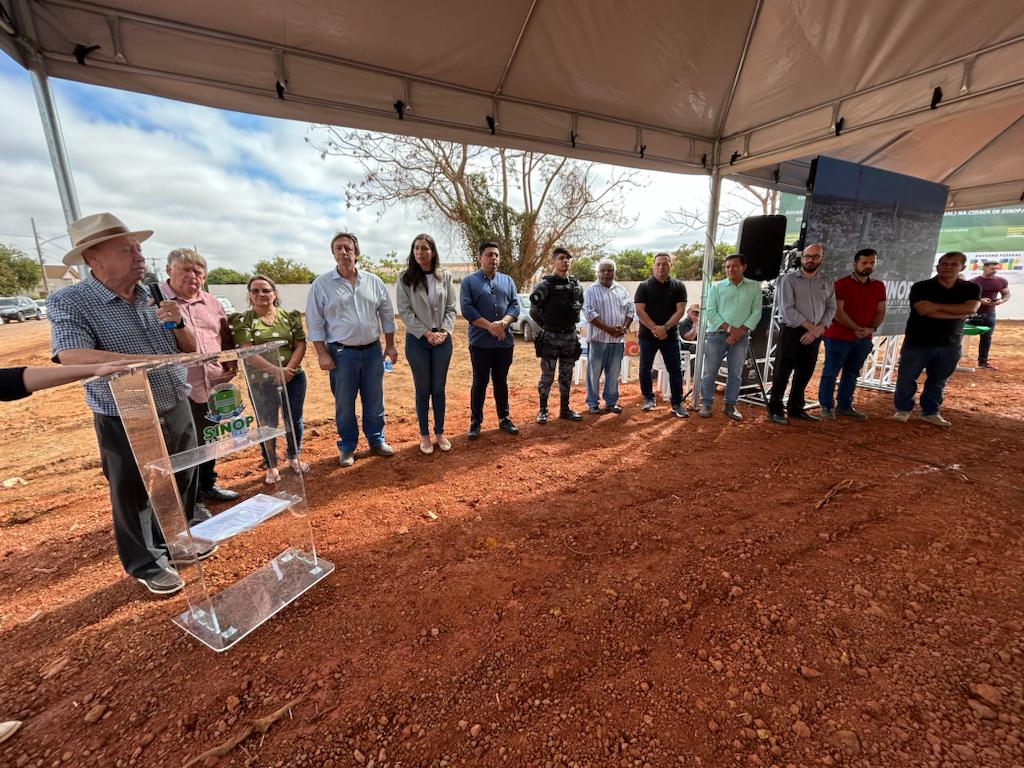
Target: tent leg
{"points": [[55, 143], [707, 270]]}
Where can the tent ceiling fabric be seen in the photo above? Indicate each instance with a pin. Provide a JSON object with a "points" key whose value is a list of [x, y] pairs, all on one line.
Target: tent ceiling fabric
{"points": [[641, 83]]}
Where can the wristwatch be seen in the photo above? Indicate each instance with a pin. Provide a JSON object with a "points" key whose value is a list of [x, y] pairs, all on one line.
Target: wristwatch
{"points": [[180, 325]]}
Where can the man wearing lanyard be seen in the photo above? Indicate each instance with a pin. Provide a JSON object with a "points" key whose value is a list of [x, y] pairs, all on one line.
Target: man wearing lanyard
{"points": [[346, 312], [490, 304]]}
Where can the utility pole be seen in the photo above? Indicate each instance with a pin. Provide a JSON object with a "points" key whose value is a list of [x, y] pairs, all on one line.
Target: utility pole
{"points": [[39, 251]]}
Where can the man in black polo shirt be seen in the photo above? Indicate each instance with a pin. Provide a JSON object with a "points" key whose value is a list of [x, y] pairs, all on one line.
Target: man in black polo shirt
{"points": [[660, 303], [931, 342]]}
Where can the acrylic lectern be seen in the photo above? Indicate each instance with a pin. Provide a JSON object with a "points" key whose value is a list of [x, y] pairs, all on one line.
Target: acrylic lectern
{"points": [[248, 412]]}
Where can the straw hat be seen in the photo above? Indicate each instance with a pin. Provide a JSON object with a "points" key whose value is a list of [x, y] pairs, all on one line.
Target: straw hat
{"points": [[95, 229]]}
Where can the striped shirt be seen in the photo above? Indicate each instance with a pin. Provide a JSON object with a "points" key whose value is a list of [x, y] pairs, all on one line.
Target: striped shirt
{"points": [[88, 315], [612, 306], [348, 314]]}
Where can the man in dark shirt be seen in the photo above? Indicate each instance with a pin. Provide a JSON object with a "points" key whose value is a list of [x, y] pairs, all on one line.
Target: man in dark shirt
{"points": [[660, 302], [931, 342], [995, 290]]}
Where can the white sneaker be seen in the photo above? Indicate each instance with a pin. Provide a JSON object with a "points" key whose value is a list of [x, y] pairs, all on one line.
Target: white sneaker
{"points": [[901, 416], [937, 420]]}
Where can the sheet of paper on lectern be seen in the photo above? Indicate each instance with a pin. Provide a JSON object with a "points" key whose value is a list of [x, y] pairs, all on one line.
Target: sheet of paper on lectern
{"points": [[241, 517]]}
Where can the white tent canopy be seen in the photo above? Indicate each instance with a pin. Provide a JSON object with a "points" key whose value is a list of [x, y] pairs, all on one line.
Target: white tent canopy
{"points": [[752, 88]]}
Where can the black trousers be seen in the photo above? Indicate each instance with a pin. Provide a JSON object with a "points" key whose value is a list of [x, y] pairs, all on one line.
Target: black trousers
{"points": [[140, 543], [792, 359], [206, 475], [985, 339], [489, 364]]}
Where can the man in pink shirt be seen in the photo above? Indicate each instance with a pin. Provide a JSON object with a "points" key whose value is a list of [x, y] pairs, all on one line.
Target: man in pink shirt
{"points": [[860, 309], [186, 272]]}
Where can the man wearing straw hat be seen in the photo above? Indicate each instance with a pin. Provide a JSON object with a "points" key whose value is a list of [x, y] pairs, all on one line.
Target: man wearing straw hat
{"points": [[110, 316]]}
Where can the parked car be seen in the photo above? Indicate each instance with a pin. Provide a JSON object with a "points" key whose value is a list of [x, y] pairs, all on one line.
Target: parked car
{"points": [[19, 308], [524, 324], [41, 303], [229, 308]]}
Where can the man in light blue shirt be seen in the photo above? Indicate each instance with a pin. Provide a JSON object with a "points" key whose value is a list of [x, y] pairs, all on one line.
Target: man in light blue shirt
{"points": [[733, 310], [346, 312]]}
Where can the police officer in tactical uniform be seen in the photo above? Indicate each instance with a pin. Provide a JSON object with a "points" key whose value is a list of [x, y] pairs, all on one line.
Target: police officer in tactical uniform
{"points": [[555, 305]]}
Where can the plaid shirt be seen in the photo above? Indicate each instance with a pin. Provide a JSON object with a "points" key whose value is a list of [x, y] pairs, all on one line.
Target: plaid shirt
{"points": [[88, 315]]}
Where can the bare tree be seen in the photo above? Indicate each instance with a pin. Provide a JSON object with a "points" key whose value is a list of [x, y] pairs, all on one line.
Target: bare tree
{"points": [[738, 202], [526, 201]]}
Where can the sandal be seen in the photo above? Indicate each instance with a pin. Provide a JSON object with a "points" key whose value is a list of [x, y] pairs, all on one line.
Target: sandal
{"points": [[443, 443], [298, 465], [425, 445], [273, 476]]}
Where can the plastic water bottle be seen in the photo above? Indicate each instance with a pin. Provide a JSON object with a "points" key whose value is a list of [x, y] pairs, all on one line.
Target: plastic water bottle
{"points": [[388, 365]]}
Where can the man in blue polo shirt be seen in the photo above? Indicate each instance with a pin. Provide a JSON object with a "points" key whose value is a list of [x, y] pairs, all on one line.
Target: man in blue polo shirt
{"points": [[490, 304], [110, 317]]}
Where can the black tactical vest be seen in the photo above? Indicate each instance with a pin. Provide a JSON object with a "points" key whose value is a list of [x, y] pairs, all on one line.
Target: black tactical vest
{"points": [[564, 301]]}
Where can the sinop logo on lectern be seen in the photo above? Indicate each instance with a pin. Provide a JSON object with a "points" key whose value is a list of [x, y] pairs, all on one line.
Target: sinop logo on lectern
{"points": [[225, 406]]}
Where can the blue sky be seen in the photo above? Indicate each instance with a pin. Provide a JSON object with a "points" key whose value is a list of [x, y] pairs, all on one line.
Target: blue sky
{"points": [[239, 187]]}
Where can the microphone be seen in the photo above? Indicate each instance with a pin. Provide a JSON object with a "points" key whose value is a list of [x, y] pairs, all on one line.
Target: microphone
{"points": [[154, 291]]}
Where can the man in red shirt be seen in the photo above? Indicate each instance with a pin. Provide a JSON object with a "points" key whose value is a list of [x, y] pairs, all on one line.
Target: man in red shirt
{"points": [[994, 291], [860, 309]]}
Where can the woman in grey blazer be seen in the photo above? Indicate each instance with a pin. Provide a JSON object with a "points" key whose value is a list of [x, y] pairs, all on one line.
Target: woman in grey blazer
{"points": [[426, 304]]}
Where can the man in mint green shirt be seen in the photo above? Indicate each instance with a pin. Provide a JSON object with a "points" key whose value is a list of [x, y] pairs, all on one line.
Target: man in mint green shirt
{"points": [[732, 310]]}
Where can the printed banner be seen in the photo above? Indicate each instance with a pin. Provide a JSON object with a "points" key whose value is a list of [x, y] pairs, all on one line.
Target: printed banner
{"points": [[853, 206]]}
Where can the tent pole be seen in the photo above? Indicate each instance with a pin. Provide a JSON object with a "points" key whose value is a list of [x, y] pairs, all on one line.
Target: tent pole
{"points": [[48, 116], [707, 270], [55, 142]]}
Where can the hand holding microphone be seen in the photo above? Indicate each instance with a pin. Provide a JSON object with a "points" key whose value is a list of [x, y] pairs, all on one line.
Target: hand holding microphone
{"points": [[167, 311]]}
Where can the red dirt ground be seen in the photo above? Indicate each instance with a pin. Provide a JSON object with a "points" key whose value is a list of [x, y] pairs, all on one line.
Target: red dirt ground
{"points": [[632, 591]]}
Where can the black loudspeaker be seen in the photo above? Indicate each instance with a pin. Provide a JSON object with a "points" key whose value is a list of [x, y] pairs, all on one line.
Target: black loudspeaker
{"points": [[762, 241]]}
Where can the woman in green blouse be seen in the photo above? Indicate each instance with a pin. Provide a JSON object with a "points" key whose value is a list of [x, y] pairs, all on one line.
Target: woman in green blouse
{"points": [[265, 321]]}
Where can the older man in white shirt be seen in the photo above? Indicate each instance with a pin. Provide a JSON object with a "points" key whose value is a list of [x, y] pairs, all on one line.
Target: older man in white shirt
{"points": [[346, 312], [609, 310]]}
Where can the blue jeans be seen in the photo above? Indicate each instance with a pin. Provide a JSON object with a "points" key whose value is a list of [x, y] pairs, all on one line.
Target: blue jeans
{"points": [[358, 371], [669, 349], [270, 407], [429, 366], [845, 356], [939, 363], [715, 349], [604, 357]]}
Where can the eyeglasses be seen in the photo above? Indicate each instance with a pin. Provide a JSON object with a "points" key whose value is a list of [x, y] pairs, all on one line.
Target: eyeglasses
{"points": [[261, 290]]}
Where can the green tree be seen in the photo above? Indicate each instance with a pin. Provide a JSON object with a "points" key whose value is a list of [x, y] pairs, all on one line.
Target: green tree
{"points": [[633, 264], [226, 276], [583, 269], [387, 268], [284, 271], [525, 201], [688, 261], [19, 273]]}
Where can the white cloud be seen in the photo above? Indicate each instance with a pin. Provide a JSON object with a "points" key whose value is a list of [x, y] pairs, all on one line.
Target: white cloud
{"points": [[240, 188]]}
